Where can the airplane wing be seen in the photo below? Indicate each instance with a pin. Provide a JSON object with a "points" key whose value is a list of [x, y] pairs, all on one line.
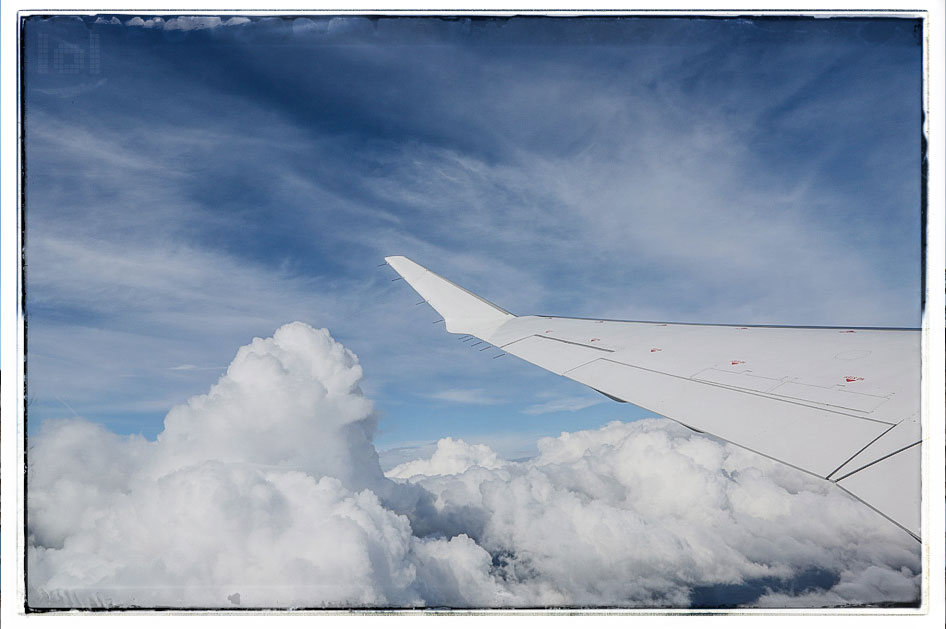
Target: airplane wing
{"points": [[840, 403]]}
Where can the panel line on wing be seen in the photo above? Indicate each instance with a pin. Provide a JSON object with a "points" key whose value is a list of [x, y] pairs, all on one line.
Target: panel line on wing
{"points": [[763, 454], [565, 373], [550, 338], [707, 432], [561, 359], [854, 456], [886, 456], [739, 445], [824, 407], [741, 325]]}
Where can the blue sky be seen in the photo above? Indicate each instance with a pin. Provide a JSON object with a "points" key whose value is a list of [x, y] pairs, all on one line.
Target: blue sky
{"points": [[193, 184]]}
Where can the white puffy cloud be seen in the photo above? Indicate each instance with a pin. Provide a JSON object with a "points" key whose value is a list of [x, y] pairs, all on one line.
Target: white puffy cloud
{"points": [[181, 23], [267, 492], [192, 22], [648, 513], [258, 488], [452, 456]]}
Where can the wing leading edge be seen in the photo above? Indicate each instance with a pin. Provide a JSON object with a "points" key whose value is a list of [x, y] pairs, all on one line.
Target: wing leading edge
{"points": [[839, 403]]}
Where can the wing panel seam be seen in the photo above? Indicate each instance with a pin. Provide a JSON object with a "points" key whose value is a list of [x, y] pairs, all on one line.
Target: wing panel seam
{"points": [[600, 349], [740, 325], [886, 456], [549, 338], [505, 345], [854, 456], [747, 392]]}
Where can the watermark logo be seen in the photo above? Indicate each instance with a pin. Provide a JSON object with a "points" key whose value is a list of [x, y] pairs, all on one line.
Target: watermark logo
{"points": [[69, 58]]}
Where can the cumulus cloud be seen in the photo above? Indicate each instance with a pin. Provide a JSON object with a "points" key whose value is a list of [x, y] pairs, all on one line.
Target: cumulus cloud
{"points": [[258, 488], [267, 492], [452, 456], [193, 22], [182, 23]]}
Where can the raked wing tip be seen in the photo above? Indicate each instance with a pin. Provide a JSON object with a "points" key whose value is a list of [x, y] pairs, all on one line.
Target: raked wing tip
{"points": [[463, 311]]}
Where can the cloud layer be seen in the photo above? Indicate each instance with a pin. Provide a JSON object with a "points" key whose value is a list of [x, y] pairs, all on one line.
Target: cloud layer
{"points": [[267, 492]]}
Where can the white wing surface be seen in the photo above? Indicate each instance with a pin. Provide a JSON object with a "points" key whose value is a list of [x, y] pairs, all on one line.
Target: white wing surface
{"points": [[839, 403]]}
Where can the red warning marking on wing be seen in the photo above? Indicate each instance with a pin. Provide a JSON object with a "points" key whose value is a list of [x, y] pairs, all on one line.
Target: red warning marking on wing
{"points": [[594, 340], [655, 349], [852, 378], [738, 362], [848, 332]]}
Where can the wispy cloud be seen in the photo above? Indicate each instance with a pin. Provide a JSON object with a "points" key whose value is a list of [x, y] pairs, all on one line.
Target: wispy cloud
{"points": [[464, 396], [562, 404], [658, 186], [72, 90]]}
